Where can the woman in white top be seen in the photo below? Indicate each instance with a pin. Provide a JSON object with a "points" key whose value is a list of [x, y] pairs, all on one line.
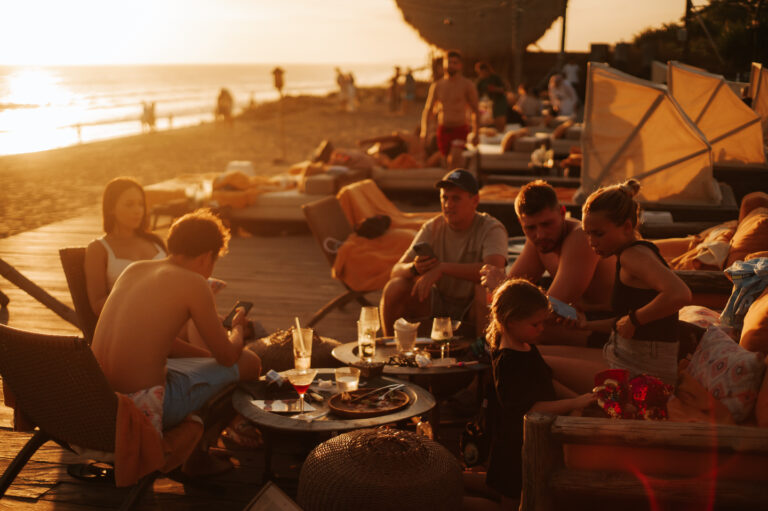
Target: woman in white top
{"points": [[127, 239]]}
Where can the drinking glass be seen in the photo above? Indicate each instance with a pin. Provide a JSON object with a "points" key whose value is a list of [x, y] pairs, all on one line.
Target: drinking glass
{"points": [[302, 348], [366, 341], [405, 338], [347, 378], [442, 332], [370, 316], [301, 379]]}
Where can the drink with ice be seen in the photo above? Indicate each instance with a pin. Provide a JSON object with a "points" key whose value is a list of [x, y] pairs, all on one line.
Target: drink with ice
{"points": [[366, 339], [301, 363], [302, 347], [442, 332]]}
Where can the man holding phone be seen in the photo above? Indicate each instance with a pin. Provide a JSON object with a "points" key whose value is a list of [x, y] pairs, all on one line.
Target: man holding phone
{"points": [[136, 341], [439, 274]]}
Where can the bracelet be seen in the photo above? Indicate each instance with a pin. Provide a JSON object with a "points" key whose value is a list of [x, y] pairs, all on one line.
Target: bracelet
{"points": [[633, 319], [414, 270]]}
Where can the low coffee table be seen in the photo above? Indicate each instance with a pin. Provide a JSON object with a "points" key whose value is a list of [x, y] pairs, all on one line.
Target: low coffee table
{"points": [[271, 423]]}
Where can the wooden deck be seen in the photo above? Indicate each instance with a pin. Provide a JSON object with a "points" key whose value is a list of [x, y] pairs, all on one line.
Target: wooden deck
{"points": [[285, 276]]}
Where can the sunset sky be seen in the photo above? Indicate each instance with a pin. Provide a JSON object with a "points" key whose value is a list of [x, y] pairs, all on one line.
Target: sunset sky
{"points": [[38, 32]]}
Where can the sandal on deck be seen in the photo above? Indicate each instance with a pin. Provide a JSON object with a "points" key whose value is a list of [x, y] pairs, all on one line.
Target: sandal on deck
{"points": [[92, 472], [243, 433]]}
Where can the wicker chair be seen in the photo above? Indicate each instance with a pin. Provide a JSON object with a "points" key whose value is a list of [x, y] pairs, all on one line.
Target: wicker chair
{"points": [[60, 388], [328, 222], [73, 262]]}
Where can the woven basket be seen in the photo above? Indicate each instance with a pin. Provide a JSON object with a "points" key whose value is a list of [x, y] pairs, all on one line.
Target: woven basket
{"points": [[377, 470], [276, 351]]}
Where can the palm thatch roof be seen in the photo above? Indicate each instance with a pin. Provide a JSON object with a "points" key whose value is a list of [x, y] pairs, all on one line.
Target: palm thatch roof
{"points": [[484, 29]]}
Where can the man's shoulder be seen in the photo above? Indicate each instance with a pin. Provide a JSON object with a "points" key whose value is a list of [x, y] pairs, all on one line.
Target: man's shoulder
{"points": [[486, 221]]}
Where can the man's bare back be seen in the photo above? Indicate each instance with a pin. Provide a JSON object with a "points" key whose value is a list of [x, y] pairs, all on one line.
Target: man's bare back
{"points": [[145, 311]]}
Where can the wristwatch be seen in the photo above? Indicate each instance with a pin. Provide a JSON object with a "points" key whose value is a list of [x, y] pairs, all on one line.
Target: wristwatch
{"points": [[633, 319], [414, 270]]}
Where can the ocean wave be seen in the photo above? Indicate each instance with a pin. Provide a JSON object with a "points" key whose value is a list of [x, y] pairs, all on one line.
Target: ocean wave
{"points": [[12, 106]]}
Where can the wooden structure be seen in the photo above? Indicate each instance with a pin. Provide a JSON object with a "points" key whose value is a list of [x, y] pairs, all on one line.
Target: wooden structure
{"points": [[548, 480]]}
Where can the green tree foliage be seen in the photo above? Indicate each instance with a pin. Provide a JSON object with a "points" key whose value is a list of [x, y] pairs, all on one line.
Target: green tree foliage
{"points": [[738, 31]]}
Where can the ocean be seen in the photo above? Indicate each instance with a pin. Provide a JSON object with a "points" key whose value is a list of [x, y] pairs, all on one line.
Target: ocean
{"points": [[52, 106]]}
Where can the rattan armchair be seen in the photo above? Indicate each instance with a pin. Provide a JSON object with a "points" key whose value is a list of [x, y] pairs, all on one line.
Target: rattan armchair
{"points": [[60, 388], [73, 262]]}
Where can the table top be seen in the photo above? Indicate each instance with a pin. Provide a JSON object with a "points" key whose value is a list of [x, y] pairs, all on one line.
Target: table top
{"points": [[242, 399], [347, 354]]}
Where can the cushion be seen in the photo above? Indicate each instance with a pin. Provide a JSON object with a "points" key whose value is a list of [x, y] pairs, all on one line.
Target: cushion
{"points": [[761, 407], [700, 316], [751, 201], [754, 332], [751, 236], [730, 373]]}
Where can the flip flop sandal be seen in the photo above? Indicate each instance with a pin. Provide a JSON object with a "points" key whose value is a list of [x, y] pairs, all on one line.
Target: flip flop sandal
{"points": [[92, 472]]}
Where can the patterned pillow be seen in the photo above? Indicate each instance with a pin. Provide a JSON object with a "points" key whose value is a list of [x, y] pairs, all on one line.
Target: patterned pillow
{"points": [[729, 372]]}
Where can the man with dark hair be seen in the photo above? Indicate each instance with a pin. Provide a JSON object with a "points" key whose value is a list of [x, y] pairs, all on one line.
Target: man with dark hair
{"points": [[439, 274], [136, 340], [558, 245], [456, 97]]}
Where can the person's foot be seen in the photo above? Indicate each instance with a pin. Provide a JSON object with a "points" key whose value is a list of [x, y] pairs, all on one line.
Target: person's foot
{"points": [[204, 464]]}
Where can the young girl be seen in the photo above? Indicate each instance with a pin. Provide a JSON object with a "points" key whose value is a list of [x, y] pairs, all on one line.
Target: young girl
{"points": [[127, 239], [522, 381], [646, 295]]}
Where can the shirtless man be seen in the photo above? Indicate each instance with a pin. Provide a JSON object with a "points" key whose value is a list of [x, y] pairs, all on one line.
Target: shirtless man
{"points": [[136, 342], [455, 94], [558, 245]]}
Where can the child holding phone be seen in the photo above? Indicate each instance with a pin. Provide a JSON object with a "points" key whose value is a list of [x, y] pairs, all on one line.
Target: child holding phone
{"points": [[522, 382]]}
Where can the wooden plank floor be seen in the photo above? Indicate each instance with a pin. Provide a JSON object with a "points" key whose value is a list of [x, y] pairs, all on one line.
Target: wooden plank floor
{"points": [[285, 276]]}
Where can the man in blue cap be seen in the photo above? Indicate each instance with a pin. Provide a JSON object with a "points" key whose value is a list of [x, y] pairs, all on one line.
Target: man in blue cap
{"points": [[439, 274]]}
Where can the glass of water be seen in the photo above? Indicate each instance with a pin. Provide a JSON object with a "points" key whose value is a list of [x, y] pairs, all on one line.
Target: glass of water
{"points": [[302, 348]]}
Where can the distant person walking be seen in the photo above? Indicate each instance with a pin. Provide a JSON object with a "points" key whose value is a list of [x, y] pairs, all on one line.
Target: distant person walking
{"points": [[148, 117], [224, 104], [409, 91], [341, 81], [277, 75], [351, 92], [453, 99], [394, 91]]}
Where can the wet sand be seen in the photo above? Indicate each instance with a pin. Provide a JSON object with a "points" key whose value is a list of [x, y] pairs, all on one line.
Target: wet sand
{"points": [[40, 188]]}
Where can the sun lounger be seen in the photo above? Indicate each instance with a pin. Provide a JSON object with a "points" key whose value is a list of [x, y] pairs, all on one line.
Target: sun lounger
{"points": [[404, 181]]}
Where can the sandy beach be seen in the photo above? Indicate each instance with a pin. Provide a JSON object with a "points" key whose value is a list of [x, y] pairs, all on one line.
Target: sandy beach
{"points": [[44, 187]]}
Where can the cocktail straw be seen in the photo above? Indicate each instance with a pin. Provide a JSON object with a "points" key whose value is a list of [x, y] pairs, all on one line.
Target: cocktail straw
{"points": [[298, 328]]}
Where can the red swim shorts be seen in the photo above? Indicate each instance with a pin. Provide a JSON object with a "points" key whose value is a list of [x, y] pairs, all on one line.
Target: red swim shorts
{"points": [[446, 135]]}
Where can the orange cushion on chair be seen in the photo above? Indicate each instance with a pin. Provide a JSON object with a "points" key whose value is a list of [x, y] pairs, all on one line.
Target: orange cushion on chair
{"points": [[751, 236], [754, 333]]}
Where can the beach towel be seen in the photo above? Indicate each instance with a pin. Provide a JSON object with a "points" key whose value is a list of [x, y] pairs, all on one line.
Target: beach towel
{"points": [[141, 450], [749, 278], [364, 199], [238, 190], [364, 264]]}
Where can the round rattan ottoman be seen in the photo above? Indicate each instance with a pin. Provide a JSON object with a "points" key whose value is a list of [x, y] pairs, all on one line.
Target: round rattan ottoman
{"points": [[377, 470]]}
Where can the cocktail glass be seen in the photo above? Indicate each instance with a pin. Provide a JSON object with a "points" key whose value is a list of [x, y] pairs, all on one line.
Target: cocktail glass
{"points": [[301, 379], [442, 332]]}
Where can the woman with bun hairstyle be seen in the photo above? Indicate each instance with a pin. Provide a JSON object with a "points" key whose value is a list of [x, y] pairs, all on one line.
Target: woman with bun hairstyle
{"points": [[646, 296], [127, 239]]}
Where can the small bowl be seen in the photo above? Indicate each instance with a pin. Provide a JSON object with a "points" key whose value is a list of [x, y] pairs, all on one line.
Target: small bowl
{"points": [[370, 369]]}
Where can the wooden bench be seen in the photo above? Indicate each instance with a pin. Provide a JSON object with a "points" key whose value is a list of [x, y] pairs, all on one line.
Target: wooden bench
{"points": [[550, 479]]}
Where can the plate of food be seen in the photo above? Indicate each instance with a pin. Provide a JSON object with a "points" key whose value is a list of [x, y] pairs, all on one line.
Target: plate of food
{"points": [[364, 403]]}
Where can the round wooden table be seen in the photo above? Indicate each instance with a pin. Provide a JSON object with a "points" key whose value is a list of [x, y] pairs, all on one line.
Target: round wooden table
{"points": [[271, 423], [347, 354]]}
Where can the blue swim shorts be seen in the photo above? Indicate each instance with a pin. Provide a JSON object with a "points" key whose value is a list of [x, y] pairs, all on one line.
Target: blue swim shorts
{"points": [[190, 383]]}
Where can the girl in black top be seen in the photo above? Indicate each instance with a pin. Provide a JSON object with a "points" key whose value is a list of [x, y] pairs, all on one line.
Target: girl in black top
{"points": [[522, 382], [646, 296]]}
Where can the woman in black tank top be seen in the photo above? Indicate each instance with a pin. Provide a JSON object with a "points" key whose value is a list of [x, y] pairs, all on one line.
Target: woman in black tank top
{"points": [[647, 295]]}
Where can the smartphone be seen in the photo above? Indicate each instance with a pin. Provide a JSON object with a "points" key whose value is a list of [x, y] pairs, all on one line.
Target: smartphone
{"points": [[563, 309], [424, 249], [228, 320]]}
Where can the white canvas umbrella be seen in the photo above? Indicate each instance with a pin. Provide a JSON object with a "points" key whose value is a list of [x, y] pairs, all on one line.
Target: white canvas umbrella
{"points": [[634, 129], [731, 127]]}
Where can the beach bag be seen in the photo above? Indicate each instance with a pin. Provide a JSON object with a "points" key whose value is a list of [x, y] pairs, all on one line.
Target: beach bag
{"points": [[373, 227]]}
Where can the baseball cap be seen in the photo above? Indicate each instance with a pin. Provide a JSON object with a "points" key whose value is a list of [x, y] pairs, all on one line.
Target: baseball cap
{"points": [[461, 178]]}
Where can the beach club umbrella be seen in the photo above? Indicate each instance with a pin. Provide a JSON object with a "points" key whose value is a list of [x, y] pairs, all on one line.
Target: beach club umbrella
{"points": [[731, 127], [758, 91], [634, 129], [481, 29]]}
